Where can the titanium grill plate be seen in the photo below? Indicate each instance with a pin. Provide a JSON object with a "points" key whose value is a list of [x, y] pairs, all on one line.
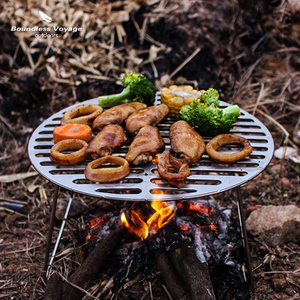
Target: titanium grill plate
{"points": [[144, 183]]}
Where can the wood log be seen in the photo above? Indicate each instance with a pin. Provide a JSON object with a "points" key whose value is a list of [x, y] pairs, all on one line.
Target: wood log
{"points": [[169, 274], [92, 265], [193, 273], [54, 288]]}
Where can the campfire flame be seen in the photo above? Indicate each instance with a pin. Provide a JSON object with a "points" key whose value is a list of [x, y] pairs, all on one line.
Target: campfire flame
{"points": [[144, 219], [146, 226]]}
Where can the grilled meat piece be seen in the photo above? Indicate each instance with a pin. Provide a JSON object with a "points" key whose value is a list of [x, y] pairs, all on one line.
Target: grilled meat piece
{"points": [[164, 161], [111, 138], [186, 141], [145, 145], [117, 114], [151, 115]]}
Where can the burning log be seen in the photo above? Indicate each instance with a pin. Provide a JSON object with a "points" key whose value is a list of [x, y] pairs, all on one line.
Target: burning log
{"points": [[194, 273], [167, 270], [91, 266]]}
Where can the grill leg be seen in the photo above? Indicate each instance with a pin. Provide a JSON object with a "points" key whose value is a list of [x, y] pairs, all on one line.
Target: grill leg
{"points": [[59, 236], [244, 234], [52, 217]]}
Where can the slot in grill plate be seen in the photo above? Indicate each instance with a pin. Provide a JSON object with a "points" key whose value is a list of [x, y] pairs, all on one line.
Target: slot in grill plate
{"points": [[144, 183]]}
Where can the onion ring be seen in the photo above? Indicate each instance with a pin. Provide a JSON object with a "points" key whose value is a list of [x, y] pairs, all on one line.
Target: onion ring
{"points": [[164, 161], [226, 139], [107, 174], [57, 156], [82, 114]]}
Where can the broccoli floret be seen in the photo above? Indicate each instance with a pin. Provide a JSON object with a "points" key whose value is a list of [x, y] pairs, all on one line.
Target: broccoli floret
{"points": [[137, 88], [211, 96], [209, 120]]}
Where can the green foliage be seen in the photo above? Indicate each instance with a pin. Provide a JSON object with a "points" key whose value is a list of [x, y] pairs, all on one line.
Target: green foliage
{"points": [[265, 201]]}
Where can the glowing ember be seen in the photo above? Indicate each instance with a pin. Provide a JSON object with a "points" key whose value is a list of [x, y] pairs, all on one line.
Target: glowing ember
{"points": [[97, 222], [184, 228], [201, 212], [211, 227], [145, 223], [195, 208], [94, 225]]}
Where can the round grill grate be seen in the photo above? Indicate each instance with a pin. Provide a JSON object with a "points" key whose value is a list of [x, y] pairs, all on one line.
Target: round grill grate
{"points": [[144, 183]]}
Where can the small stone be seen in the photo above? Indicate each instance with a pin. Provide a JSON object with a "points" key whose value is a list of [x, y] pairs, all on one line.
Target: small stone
{"points": [[275, 225]]}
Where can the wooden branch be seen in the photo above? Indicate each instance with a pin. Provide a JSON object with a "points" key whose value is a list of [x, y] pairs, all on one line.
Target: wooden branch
{"points": [[194, 273], [166, 269], [171, 278], [54, 288], [92, 265]]}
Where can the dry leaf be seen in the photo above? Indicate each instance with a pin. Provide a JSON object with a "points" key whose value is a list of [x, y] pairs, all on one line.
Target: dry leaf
{"points": [[52, 74], [153, 52], [119, 17], [25, 72], [80, 65], [165, 80], [287, 152], [15, 177]]}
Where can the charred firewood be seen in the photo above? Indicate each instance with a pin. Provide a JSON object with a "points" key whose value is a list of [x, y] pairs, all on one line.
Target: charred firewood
{"points": [[54, 288], [166, 269], [91, 266], [194, 274]]}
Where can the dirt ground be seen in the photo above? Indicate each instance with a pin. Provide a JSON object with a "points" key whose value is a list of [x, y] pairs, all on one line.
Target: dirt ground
{"points": [[249, 52]]}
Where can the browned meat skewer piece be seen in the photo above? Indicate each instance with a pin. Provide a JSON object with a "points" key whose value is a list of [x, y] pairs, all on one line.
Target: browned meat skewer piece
{"points": [[117, 114], [166, 160], [151, 115], [147, 143], [111, 138], [186, 141]]}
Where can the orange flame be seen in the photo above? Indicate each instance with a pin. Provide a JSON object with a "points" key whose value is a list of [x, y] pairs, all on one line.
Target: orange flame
{"points": [[145, 227]]}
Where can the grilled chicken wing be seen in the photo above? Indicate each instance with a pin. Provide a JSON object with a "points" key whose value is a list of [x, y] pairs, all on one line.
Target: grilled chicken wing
{"points": [[117, 114], [109, 139], [151, 115], [145, 146], [186, 141]]}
